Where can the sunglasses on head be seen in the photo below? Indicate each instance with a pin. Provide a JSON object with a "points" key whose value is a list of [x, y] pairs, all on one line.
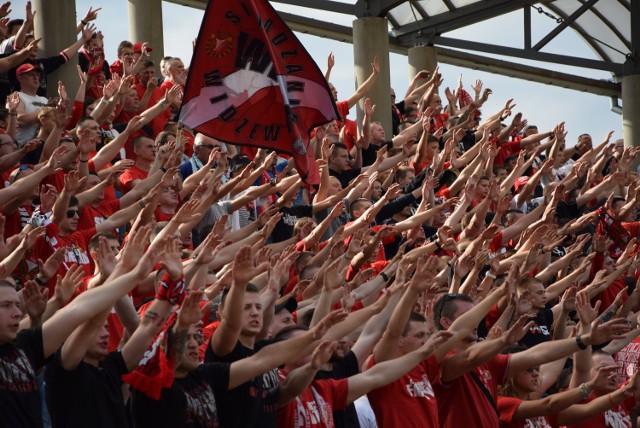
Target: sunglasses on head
{"points": [[72, 213], [443, 301]]}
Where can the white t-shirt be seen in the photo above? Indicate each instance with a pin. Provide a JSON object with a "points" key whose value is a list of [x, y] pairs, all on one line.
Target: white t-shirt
{"points": [[32, 104]]}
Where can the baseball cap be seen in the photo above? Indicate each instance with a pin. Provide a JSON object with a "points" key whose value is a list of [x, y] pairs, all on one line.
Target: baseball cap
{"points": [[26, 68], [291, 304], [137, 47], [520, 181]]}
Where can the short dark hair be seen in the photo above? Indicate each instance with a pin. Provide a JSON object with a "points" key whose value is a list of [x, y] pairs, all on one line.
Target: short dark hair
{"points": [[413, 317], [124, 44], [286, 332], [14, 23], [446, 306], [73, 202], [249, 288], [336, 146], [95, 239]]}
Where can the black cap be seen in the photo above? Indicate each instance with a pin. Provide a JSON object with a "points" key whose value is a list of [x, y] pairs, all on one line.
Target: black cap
{"points": [[290, 304]]}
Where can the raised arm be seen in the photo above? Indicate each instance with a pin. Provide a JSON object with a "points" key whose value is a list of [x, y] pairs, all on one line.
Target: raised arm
{"points": [[226, 336]]}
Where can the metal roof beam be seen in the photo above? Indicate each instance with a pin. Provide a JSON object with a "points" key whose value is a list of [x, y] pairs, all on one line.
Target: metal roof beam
{"points": [[375, 7], [564, 24], [328, 5], [632, 65], [529, 54], [465, 59], [463, 16]]}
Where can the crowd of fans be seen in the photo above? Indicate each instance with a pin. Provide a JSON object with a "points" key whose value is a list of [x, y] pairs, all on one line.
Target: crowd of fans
{"points": [[471, 270]]}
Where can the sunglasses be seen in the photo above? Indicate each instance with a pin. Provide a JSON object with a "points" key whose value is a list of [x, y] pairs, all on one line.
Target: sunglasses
{"points": [[208, 146], [72, 213]]}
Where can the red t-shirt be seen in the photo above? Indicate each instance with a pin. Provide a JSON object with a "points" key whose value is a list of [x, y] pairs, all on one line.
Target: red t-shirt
{"points": [[56, 180], [508, 406], [162, 216], [158, 122], [76, 250], [315, 406], [410, 400], [91, 217], [618, 417], [462, 402], [129, 175], [12, 223]]}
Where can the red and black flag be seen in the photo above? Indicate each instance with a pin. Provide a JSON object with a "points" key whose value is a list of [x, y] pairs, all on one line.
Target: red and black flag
{"points": [[251, 82]]}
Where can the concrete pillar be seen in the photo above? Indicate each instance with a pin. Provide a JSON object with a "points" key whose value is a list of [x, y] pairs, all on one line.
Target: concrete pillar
{"points": [[57, 34], [145, 25], [422, 58], [631, 110], [371, 38]]}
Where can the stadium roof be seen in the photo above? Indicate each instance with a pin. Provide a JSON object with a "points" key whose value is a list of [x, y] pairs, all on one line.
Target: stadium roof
{"points": [[609, 27]]}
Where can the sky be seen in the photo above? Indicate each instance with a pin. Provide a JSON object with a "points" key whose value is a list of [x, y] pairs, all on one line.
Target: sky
{"points": [[543, 105]]}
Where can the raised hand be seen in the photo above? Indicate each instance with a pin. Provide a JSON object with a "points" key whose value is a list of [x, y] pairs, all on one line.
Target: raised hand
{"points": [[172, 260], [133, 253], [35, 299], [322, 354], [190, 311], [426, 271], [73, 182], [614, 329], [50, 267], [244, 269]]}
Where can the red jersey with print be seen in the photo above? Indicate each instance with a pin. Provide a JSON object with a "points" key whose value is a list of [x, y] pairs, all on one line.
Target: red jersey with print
{"points": [[91, 217], [461, 403], [627, 360], [315, 406], [618, 417], [409, 401], [508, 406], [75, 245]]}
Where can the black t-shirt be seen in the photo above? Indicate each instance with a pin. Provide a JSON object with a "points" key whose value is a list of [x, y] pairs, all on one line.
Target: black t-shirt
{"points": [[342, 369], [345, 176], [191, 402], [252, 404], [19, 398], [87, 396], [284, 228], [540, 332]]}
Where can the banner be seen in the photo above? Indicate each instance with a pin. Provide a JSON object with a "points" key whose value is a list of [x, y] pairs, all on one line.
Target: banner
{"points": [[251, 82]]}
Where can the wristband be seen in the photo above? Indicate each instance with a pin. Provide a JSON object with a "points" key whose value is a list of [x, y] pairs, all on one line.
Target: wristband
{"points": [[163, 169], [585, 390], [347, 258], [141, 203], [83, 23], [384, 276], [438, 246], [84, 160], [580, 343], [171, 291], [611, 401], [39, 281], [489, 275]]}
